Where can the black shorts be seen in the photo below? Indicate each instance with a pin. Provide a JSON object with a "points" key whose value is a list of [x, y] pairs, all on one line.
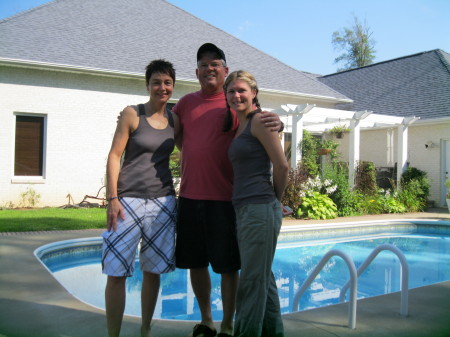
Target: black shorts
{"points": [[206, 234]]}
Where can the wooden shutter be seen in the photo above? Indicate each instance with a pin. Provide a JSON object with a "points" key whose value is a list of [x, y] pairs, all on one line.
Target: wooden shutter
{"points": [[29, 146]]}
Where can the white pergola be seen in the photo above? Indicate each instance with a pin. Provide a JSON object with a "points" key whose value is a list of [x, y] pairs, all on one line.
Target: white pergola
{"points": [[319, 120]]}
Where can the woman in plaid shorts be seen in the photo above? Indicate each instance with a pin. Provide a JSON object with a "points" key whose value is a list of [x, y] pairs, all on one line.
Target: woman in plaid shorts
{"points": [[141, 199]]}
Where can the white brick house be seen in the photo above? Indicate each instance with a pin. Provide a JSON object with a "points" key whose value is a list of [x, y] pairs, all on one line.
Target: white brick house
{"points": [[72, 65]]}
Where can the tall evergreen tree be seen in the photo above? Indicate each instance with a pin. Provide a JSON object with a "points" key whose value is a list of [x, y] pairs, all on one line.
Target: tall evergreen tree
{"points": [[357, 44]]}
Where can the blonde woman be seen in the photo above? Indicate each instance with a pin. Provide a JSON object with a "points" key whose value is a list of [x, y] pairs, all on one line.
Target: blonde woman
{"points": [[260, 177]]}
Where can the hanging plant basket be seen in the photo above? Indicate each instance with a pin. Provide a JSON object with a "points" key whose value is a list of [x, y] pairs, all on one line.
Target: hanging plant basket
{"points": [[339, 130], [323, 152]]}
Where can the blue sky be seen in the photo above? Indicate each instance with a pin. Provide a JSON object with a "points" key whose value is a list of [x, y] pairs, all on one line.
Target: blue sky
{"points": [[298, 32]]}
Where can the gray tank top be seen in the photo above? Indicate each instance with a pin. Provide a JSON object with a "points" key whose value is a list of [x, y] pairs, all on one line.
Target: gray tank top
{"points": [[145, 170], [252, 182]]}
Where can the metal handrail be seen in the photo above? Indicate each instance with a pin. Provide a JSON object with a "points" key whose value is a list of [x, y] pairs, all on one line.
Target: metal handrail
{"points": [[404, 275], [353, 284]]}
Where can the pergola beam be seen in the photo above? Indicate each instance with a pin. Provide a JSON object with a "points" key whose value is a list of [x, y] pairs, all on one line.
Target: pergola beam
{"points": [[321, 119]]}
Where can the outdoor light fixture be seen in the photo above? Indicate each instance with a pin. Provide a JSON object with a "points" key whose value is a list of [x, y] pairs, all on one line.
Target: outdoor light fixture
{"points": [[429, 145]]}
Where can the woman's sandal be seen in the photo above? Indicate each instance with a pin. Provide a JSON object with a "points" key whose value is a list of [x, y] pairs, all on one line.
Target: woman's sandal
{"points": [[201, 330]]}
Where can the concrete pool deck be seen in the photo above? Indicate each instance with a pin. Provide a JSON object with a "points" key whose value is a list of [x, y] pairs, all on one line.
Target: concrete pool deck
{"points": [[33, 303]]}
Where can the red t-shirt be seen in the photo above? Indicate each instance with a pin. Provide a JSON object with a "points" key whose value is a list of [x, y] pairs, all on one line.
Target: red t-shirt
{"points": [[206, 172]]}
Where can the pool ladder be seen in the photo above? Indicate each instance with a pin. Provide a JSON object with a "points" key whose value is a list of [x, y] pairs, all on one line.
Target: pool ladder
{"points": [[353, 282]]}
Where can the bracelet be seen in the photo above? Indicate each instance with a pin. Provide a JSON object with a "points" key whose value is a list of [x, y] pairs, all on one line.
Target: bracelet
{"points": [[112, 198]]}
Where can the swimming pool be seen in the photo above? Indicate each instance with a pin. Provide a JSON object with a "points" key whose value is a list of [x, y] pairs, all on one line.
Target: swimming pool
{"points": [[426, 245]]}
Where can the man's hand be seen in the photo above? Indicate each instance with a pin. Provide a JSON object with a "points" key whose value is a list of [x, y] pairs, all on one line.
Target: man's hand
{"points": [[272, 121]]}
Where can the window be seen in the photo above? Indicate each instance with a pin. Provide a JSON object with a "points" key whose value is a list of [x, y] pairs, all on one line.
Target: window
{"points": [[29, 146]]}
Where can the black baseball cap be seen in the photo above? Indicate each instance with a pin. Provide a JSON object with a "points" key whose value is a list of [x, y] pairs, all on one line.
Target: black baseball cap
{"points": [[209, 47]]}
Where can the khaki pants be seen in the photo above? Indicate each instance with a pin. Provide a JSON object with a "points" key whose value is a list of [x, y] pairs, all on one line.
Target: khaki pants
{"points": [[258, 307]]}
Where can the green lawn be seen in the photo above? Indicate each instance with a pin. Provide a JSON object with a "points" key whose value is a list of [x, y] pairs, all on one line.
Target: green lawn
{"points": [[47, 219]]}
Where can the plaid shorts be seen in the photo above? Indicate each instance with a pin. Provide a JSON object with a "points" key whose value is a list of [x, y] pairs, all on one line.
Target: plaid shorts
{"points": [[150, 222]]}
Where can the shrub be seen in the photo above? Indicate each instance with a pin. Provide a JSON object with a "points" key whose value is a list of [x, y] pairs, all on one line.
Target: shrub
{"points": [[410, 196], [368, 204], [392, 205], [352, 204], [419, 178], [317, 206], [175, 163], [315, 203], [382, 202], [291, 196], [29, 198], [7, 205], [309, 146], [366, 178], [346, 201]]}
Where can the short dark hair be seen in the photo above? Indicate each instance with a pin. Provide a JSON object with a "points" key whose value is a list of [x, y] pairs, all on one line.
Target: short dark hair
{"points": [[159, 66]]}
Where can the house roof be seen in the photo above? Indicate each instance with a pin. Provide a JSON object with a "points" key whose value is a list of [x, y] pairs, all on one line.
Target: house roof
{"points": [[123, 36], [415, 85]]}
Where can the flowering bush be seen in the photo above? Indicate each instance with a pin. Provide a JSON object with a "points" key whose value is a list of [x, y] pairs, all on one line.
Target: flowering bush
{"points": [[316, 184], [329, 194], [346, 200], [315, 201], [383, 202], [296, 179], [390, 203]]}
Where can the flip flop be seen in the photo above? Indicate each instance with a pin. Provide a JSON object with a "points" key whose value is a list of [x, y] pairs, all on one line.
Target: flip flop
{"points": [[201, 330]]}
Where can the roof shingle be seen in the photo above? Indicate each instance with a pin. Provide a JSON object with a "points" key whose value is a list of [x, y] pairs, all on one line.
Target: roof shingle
{"points": [[417, 85], [123, 35]]}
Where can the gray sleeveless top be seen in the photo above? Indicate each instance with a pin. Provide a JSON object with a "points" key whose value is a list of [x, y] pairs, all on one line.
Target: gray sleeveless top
{"points": [[145, 171], [252, 170]]}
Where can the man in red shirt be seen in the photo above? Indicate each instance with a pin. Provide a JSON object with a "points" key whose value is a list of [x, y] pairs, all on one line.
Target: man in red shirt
{"points": [[206, 227]]}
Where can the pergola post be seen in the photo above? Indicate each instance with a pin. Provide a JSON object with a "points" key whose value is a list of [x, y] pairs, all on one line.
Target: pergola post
{"points": [[402, 153], [297, 112], [297, 137], [354, 145], [402, 144]]}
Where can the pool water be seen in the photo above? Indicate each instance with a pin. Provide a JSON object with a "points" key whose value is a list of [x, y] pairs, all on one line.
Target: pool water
{"points": [[426, 248]]}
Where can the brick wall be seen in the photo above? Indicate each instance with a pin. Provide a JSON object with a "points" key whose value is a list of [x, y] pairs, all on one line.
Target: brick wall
{"points": [[81, 112]]}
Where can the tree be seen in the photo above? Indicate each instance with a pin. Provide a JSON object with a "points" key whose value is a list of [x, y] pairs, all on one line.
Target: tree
{"points": [[357, 43]]}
